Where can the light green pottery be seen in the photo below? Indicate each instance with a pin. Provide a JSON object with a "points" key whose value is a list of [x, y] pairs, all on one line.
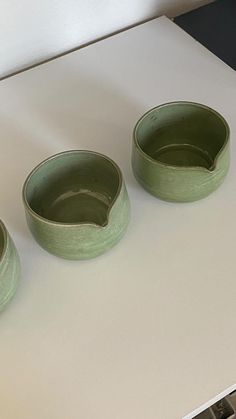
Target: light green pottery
{"points": [[76, 204], [9, 267], [181, 151]]}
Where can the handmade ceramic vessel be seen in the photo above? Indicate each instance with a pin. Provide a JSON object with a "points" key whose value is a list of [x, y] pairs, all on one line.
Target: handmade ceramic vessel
{"points": [[9, 267], [181, 151], [76, 204]]}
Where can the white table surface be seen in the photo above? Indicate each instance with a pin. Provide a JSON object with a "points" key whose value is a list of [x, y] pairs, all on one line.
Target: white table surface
{"points": [[146, 331]]}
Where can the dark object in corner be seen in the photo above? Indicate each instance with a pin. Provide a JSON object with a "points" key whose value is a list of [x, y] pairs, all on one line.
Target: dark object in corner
{"points": [[214, 26]]}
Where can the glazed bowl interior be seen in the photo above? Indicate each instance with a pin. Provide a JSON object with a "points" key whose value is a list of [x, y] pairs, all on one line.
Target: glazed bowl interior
{"points": [[182, 134], [73, 187]]}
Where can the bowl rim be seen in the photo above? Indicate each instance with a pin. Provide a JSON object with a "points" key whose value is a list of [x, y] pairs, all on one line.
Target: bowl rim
{"points": [[5, 240], [81, 223], [180, 168]]}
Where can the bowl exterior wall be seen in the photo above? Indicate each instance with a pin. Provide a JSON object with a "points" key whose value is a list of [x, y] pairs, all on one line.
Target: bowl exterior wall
{"points": [[82, 241], [178, 184], [9, 273]]}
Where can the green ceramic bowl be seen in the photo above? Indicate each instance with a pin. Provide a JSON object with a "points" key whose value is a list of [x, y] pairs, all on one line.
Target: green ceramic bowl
{"points": [[9, 267], [181, 151], [76, 204]]}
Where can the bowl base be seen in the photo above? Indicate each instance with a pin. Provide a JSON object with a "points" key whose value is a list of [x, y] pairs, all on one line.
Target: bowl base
{"points": [[186, 155], [82, 206]]}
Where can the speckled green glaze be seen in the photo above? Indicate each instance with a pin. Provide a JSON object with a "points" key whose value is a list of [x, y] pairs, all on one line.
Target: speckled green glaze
{"points": [[76, 204], [9, 267], [181, 151]]}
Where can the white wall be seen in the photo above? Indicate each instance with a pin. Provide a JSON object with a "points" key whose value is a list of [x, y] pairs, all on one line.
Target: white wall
{"points": [[32, 31]]}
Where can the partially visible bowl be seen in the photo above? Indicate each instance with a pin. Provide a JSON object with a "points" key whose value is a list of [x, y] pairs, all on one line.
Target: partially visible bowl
{"points": [[9, 267], [181, 151], [76, 204]]}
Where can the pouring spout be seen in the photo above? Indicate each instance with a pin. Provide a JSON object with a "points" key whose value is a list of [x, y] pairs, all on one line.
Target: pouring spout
{"points": [[212, 168]]}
